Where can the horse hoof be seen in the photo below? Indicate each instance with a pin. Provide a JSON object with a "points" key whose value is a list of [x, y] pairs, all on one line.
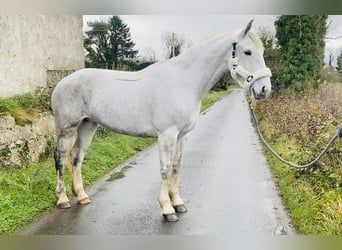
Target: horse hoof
{"points": [[64, 205], [180, 209], [170, 217], [84, 201]]}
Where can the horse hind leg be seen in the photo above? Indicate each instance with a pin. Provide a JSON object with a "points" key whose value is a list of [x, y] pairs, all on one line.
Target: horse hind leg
{"points": [[85, 133], [65, 139]]}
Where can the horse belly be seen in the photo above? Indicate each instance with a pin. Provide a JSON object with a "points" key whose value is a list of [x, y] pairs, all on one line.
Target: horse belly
{"points": [[140, 130], [127, 120]]}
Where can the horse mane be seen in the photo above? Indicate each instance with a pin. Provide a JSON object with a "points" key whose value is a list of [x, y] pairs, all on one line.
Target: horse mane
{"points": [[251, 35], [205, 42], [137, 75]]}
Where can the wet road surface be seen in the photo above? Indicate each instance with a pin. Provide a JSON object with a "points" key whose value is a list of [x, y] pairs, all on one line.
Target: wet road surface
{"points": [[225, 182]]}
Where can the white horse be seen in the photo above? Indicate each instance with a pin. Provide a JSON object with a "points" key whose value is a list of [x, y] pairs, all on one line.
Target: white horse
{"points": [[160, 101]]}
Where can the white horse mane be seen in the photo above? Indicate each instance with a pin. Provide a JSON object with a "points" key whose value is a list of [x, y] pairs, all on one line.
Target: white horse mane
{"points": [[202, 44], [138, 75], [252, 36]]}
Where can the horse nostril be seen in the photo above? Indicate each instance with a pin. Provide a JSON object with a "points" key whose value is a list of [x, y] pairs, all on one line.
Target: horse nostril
{"points": [[263, 90]]}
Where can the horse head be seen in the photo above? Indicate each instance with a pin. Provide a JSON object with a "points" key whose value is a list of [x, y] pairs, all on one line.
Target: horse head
{"points": [[247, 64]]}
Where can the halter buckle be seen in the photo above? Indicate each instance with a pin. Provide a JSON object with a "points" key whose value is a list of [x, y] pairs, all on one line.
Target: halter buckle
{"points": [[249, 78], [234, 50]]}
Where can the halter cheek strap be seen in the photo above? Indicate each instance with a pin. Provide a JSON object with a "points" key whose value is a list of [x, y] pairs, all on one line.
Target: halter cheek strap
{"points": [[249, 78]]}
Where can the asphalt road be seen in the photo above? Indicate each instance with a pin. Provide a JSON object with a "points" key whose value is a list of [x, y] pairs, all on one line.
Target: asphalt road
{"points": [[225, 182]]}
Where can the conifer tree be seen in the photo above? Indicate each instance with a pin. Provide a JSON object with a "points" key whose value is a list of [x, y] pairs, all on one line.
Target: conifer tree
{"points": [[271, 53], [109, 45], [121, 47], [301, 42], [96, 44]]}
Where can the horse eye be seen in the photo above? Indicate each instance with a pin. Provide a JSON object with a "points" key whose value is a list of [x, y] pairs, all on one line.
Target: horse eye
{"points": [[248, 52]]}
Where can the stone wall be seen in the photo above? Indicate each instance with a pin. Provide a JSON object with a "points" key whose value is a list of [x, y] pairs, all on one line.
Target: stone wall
{"points": [[22, 144], [36, 51], [31, 46]]}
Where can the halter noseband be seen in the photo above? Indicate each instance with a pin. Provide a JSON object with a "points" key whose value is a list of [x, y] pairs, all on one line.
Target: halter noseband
{"points": [[249, 78]]}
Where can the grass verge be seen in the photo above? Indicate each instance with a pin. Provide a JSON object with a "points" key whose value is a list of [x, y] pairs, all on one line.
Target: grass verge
{"points": [[24, 107], [315, 208], [298, 126], [30, 191]]}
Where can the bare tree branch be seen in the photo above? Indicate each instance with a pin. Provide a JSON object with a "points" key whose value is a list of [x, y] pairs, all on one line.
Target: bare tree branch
{"points": [[173, 43], [332, 38]]}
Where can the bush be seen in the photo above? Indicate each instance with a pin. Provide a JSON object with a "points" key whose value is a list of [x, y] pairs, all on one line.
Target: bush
{"points": [[330, 74], [307, 119], [24, 107], [298, 126]]}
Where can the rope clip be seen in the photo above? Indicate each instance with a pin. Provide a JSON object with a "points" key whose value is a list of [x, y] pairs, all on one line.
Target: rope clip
{"points": [[339, 132]]}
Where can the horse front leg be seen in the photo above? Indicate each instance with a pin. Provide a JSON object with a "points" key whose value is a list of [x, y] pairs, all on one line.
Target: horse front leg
{"points": [[167, 147], [176, 200]]}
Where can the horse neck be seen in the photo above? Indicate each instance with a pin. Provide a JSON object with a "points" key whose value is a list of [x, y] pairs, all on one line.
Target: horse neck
{"points": [[204, 65]]}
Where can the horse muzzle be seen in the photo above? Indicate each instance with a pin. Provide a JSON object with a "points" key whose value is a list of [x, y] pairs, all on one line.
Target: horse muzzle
{"points": [[264, 93], [258, 83], [261, 89]]}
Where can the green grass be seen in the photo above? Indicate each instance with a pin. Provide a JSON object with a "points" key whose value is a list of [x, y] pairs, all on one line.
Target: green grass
{"points": [[30, 191], [212, 97], [315, 209], [24, 107], [108, 151], [298, 126], [27, 102], [314, 206]]}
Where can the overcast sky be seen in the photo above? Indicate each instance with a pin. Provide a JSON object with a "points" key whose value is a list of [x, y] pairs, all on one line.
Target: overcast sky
{"points": [[147, 30]]}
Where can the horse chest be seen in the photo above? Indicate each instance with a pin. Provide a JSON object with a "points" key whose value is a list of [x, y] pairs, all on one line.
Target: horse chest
{"points": [[180, 114]]}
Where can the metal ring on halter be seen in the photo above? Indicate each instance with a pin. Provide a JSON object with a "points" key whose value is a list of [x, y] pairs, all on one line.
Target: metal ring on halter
{"points": [[249, 78]]}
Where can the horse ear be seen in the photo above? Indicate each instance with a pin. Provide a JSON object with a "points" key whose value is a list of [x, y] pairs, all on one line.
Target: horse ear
{"points": [[248, 27]]}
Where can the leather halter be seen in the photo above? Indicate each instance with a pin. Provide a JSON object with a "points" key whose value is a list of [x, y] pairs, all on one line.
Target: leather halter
{"points": [[249, 78]]}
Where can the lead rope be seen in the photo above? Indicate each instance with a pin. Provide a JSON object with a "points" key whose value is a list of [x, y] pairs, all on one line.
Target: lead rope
{"points": [[338, 135]]}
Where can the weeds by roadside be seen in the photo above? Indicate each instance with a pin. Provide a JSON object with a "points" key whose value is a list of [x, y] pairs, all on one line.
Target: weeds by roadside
{"points": [[24, 107], [299, 125]]}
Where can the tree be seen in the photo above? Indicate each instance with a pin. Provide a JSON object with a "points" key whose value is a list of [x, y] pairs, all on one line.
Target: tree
{"points": [[148, 55], [174, 44], [339, 63], [271, 53], [223, 82], [121, 51], [148, 58], [109, 45], [301, 41], [96, 44]]}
